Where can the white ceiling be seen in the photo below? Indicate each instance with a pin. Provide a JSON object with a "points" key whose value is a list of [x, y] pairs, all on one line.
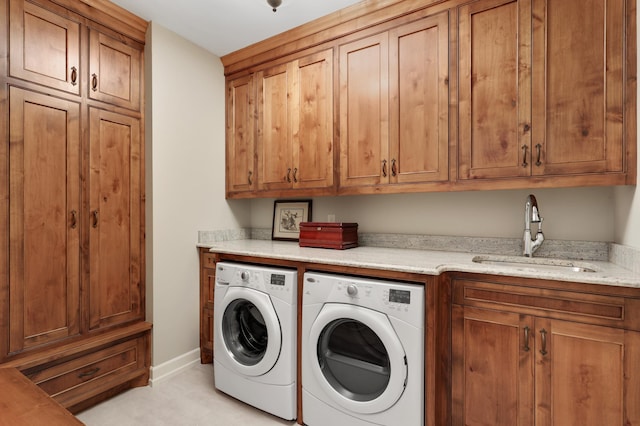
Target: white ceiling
{"points": [[224, 26]]}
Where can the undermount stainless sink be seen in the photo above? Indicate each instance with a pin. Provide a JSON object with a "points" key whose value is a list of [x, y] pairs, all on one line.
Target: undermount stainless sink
{"points": [[533, 264]]}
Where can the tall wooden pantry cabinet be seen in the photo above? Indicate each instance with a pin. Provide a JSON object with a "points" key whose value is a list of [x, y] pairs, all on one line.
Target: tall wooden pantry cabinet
{"points": [[72, 291]]}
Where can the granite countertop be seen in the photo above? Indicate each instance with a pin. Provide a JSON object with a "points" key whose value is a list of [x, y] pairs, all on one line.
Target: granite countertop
{"points": [[429, 262]]}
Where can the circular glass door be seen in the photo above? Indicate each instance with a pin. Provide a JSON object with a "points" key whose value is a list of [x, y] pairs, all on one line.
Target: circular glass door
{"points": [[250, 330], [357, 358], [353, 360]]}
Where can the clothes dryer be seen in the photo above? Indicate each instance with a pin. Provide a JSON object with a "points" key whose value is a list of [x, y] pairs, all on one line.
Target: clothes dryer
{"points": [[255, 329], [362, 351]]}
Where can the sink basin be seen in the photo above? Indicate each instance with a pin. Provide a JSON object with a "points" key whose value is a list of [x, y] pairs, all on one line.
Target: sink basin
{"points": [[532, 264]]}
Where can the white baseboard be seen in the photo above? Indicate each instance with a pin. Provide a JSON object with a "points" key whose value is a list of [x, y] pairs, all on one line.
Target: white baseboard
{"points": [[172, 367]]}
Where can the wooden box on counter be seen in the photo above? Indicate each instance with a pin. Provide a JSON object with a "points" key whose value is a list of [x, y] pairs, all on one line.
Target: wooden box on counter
{"points": [[333, 235]]}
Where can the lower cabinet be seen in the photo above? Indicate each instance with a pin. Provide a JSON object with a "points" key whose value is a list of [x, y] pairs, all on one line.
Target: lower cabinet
{"points": [[80, 374], [531, 356], [207, 284]]}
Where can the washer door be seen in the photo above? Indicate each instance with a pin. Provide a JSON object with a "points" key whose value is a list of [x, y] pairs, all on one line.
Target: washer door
{"points": [[250, 331], [357, 358]]}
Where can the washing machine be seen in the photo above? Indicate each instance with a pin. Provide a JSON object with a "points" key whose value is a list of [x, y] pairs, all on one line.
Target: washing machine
{"points": [[362, 351], [255, 329]]}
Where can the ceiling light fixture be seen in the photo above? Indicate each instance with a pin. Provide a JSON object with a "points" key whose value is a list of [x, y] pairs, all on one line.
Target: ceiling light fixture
{"points": [[274, 4]]}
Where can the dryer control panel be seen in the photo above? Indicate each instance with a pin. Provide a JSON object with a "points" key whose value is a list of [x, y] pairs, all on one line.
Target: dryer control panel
{"points": [[270, 280]]}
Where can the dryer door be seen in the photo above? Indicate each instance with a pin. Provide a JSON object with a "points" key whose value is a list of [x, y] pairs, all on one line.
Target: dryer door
{"points": [[250, 330], [357, 358]]}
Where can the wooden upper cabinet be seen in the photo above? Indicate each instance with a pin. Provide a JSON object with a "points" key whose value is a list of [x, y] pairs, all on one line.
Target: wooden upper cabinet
{"points": [[364, 111], [419, 96], [116, 222], [44, 221], [541, 88], [44, 47], [394, 99], [578, 87], [295, 124], [114, 71], [240, 135], [494, 89]]}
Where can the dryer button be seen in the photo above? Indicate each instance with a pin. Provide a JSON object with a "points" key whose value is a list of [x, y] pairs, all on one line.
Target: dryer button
{"points": [[352, 290]]}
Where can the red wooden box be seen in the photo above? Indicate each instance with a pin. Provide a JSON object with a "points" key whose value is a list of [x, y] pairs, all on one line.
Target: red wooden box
{"points": [[333, 235]]}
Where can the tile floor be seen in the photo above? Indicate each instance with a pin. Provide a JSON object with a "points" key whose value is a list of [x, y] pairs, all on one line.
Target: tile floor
{"points": [[186, 399]]}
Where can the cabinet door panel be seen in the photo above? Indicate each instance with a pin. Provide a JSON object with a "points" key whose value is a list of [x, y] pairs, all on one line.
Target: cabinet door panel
{"points": [[274, 142], [578, 79], [494, 98], [44, 180], [492, 370], [585, 374], [44, 47], [419, 121], [114, 71], [115, 218], [240, 164], [312, 121], [364, 111]]}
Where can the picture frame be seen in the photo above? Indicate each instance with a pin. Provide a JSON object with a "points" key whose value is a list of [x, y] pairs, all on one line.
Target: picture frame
{"points": [[287, 215]]}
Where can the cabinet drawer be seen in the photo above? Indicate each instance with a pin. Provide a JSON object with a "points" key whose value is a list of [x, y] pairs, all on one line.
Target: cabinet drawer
{"points": [[560, 304], [80, 378]]}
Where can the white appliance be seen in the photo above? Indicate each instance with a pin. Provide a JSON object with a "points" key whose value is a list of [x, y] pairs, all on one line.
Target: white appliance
{"points": [[362, 352], [255, 329]]}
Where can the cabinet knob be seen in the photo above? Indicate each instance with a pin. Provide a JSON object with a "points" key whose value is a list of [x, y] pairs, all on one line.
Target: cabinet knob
{"points": [[526, 338], [288, 178], [524, 156], [543, 338], [384, 168], [295, 175], [394, 168], [249, 177], [74, 76], [74, 219], [94, 82], [538, 153], [94, 214]]}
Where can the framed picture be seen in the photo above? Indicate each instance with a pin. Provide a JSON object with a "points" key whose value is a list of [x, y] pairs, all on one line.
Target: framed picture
{"points": [[287, 215]]}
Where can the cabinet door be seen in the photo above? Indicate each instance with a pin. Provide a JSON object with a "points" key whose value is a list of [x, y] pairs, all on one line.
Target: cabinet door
{"points": [[44, 47], [495, 85], [578, 81], [114, 69], [240, 164], [274, 129], [364, 112], [419, 93], [312, 121], [115, 219], [586, 375], [44, 222], [492, 371]]}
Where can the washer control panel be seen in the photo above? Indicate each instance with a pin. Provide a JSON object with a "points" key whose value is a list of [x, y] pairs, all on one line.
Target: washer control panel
{"points": [[270, 280]]}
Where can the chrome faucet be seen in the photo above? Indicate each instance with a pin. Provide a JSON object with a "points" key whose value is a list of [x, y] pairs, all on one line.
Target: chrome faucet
{"points": [[532, 215]]}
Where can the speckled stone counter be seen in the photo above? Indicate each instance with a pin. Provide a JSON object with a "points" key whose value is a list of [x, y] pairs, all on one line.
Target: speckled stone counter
{"points": [[430, 262]]}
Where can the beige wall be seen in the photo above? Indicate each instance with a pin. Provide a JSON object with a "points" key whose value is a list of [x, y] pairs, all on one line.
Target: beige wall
{"points": [[185, 183], [583, 214]]}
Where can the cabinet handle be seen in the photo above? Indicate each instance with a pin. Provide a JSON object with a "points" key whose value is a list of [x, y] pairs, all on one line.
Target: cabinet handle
{"points": [[94, 82], [289, 175], [394, 169], [88, 373], [538, 150], [249, 177], [384, 168], [543, 338], [295, 175], [74, 76], [524, 156], [95, 218], [526, 338], [74, 219]]}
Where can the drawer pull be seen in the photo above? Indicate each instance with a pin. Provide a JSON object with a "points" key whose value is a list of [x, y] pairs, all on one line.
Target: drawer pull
{"points": [[88, 373], [526, 338], [543, 337], [74, 76], [384, 168], [94, 82]]}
